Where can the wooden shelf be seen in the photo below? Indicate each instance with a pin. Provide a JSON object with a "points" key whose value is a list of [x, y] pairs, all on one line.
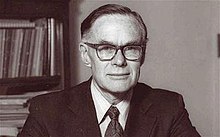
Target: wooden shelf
{"points": [[29, 84], [38, 8]]}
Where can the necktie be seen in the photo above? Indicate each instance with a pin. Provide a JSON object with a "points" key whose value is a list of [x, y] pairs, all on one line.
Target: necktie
{"points": [[114, 128]]}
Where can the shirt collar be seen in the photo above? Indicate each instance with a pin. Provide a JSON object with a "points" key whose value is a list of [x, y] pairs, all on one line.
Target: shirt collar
{"points": [[102, 105]]}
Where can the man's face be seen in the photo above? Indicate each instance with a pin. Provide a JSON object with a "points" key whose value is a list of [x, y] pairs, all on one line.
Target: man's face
{"points": [[118, 75]]}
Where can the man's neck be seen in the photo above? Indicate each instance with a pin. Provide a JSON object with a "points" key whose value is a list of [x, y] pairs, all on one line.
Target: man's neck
{"points": [[112, 97]]}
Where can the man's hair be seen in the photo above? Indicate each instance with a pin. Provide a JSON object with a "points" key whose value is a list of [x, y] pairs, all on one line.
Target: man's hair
{"points": [[111, 9]]}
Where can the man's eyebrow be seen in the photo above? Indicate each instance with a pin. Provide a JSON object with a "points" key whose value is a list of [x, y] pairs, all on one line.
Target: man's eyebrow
{"points": [[133, 43], [110, 43], [106, 42]]}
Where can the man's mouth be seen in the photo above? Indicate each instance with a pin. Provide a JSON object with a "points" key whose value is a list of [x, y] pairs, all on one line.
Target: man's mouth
{"points": [[118, 76]]}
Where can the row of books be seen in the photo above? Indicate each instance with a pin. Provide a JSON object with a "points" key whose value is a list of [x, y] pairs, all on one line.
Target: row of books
{"points": [[13, 112], [14, 109], [30, 48]]}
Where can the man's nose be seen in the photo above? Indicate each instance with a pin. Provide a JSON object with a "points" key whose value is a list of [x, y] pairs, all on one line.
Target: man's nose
{"points": [[119, 59]]}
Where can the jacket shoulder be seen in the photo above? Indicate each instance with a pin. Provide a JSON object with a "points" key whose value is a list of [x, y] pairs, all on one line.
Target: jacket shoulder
{"points": [[163, 100], [57, 100], [160, 93], [46, 103]]}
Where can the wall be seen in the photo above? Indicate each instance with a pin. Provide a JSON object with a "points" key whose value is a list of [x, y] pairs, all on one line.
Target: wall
{"points": [[181, 54]]}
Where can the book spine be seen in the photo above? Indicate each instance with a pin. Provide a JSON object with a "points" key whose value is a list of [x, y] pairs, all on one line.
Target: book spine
{"points": [[38, 53], [46, 70], [7, 23], [53, 46], [19, 45], [11, 53], [49, 46], [2, 46], [7, 52], [25, 53], [31, 53], [59, 48]]}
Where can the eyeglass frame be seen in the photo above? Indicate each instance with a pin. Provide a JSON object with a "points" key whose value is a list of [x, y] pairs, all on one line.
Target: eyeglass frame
{"points": [[95, 46]]}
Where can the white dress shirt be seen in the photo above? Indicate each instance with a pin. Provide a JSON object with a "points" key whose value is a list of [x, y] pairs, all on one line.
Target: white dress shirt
{"points": [[102, 105]]}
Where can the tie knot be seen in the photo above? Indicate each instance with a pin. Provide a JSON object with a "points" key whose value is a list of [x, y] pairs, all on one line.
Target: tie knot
{"points": [[113, 112]]}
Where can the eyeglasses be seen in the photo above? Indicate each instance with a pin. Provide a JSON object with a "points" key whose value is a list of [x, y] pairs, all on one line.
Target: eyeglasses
{"points": [[107, 52]]}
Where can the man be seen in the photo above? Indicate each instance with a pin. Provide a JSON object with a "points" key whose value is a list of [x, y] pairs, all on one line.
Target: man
{"points": [[112, 103]]}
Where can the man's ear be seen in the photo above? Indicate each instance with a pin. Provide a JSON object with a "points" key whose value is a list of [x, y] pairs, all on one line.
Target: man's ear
{"points": [[143, 55], [83, 48], [144, 52]]}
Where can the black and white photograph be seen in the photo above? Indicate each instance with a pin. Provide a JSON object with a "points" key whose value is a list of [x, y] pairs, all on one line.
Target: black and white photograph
{"points": [[109, 68]]}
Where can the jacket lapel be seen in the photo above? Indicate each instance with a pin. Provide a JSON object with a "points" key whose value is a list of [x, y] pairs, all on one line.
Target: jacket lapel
{"points": [[81, 104], [141, 118]]}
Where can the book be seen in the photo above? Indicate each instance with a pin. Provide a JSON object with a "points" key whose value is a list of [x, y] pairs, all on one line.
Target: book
{"points": [[12, 123], [9, 131], [31, 53], [2, 46], [52, 46], [25, 53], [18, 111], [12, 52], [59, 48], [13, 101], [38, 53], [18, 51], [14, 23], [7, 48]]}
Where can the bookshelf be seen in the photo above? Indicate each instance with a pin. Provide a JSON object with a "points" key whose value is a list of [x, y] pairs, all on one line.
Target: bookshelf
{"points": [[34, 48]]}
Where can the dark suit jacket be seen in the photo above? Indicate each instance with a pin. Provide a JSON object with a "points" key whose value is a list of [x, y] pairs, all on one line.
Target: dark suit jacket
{"points": [[153, 113]]}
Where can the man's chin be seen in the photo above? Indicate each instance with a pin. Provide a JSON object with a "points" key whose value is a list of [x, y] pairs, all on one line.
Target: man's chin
{"points": [[118, 89], [119, 86]]}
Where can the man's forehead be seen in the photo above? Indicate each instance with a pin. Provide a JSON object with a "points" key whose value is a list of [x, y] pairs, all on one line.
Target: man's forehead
{"points": [[108, 27], [124, 44], [115, 18]]}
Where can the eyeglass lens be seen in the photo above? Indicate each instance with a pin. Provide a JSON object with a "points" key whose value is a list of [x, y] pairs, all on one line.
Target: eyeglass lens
{"points": [[107, 52]]}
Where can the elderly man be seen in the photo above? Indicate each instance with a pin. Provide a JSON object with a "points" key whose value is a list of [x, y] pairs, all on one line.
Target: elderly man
{"points": [[111, 103]]}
